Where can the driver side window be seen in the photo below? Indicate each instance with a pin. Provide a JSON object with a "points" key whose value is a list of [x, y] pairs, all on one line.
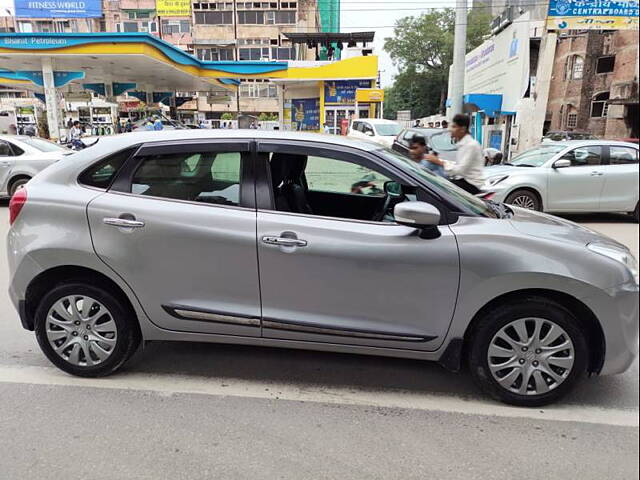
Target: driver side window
{"points": [[584, 156], [335, 176]]}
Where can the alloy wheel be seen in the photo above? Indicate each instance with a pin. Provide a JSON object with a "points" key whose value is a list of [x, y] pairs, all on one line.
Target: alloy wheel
{"points": [[531, 356], [524, 201], [81, 330]]}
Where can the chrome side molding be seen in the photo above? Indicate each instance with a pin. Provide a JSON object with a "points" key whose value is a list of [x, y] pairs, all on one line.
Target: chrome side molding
{"points": [[189, 313]]}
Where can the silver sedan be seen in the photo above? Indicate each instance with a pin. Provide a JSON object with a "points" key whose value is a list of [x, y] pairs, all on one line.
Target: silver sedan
{"points": [[313, 242], [572, 176]]}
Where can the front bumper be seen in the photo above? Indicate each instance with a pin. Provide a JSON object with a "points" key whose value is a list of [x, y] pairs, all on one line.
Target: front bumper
{"points": [[618, 309]]}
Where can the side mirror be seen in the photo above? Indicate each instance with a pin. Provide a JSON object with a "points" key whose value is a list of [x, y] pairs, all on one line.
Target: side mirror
{"points": [[562, 163], [416, 214]]}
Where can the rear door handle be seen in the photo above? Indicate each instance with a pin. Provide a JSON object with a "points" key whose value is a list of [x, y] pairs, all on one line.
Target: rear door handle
{"points": [[123, 222], [283, 241], [596, 174]]}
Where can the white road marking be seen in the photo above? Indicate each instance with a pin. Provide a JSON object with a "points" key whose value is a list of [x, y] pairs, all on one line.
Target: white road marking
{"points": [[172, 384]]}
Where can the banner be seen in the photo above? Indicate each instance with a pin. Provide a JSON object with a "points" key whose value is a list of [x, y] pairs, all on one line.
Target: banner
{"points": [[173, 8], [343, 92], [305, 114], [593, 15], [58, 8]]}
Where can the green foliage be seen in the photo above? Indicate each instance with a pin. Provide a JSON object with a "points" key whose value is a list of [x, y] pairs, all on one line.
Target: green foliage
{"points": [[422, 47], [226, 116], [268, 117]]}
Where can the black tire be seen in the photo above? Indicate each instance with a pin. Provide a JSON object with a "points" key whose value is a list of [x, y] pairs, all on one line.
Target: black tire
{"points": [[128, 334], [487, 327], [522, 196], [16, 184]]}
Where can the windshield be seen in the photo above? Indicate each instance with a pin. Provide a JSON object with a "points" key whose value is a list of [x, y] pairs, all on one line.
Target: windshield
{"points": [[536, 157], [388, 129], [43, 145], [439, 184], [442, 142]]}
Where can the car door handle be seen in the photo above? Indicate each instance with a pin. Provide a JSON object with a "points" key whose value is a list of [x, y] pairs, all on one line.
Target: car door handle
{"points": [[5, 164], [596, 174], [283, 241], [123, 222]]}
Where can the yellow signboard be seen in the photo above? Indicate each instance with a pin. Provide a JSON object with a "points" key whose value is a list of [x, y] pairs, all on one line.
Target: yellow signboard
{"points": [[173, 8], [592, 23], [369, 95]]}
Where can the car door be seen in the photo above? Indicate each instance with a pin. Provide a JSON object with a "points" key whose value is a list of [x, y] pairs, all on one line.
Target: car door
{"points": [[620, 190], [7, 160], [579, 186], [179, 226], [342, 280]]}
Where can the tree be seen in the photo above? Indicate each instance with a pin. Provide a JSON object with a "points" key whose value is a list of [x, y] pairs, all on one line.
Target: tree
{"points": [[423, 47]]}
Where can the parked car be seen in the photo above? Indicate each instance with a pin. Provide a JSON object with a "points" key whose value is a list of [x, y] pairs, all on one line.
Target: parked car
{"points": [[574, 176], [438, 140], [314, 242], [377, 129], [22, 157], [563, 136]]}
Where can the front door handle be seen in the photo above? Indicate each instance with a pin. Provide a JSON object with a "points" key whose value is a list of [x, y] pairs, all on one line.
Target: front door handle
{"points": [[596, 174], [283, 241], [123, 222]]}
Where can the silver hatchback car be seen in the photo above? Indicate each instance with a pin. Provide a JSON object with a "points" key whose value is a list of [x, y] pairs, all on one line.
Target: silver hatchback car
{"points": [[570, 176], [313, 242]]}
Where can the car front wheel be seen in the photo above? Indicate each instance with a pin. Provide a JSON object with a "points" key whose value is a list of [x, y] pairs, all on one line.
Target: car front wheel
{"points": [[528, 353], [85, 330], [524, 199]]}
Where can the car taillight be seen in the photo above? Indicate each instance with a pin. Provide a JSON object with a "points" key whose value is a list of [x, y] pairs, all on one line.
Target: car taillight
{"points": [[16, 203]]}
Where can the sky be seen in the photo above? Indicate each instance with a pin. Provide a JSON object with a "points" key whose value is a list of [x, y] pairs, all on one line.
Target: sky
{"points": [[380, 16]]}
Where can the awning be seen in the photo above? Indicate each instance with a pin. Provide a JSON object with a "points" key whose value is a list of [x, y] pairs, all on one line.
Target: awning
{"points": [[489, 104]]}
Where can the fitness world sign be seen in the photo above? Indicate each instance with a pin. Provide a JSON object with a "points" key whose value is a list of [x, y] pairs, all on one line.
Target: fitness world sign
{"points": [[58, 8]]}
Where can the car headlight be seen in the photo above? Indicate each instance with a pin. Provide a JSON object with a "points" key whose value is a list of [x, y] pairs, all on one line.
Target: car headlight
{"points": [[491, 181], [618, 254]]}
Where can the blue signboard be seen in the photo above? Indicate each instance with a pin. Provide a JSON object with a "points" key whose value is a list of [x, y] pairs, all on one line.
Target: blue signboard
{"points": [[58, 8], [305, 114], [163, 97], [593, 8], [343, 92]]}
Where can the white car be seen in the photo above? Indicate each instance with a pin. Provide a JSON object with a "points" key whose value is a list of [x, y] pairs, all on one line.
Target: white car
{"points": [[570, 176], [379, 130], [22, 157]]}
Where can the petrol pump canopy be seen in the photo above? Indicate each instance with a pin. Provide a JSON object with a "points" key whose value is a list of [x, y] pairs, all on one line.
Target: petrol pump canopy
{"points": [[149, 62]]}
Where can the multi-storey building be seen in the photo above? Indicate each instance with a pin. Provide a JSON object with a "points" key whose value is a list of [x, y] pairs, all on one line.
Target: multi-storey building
{"points": [[211, 30], [594, 84]]}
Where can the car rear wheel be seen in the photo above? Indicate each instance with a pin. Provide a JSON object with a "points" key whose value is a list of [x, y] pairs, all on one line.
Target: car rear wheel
{"points": [[85, 330], [17, 184], [529, 353], [524, 199]]}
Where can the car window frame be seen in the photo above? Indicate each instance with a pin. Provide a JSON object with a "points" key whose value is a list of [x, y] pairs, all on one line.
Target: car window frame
{"points": [[634, 149], [11, 149], [265, 201], [124, 178], [604, 155]]}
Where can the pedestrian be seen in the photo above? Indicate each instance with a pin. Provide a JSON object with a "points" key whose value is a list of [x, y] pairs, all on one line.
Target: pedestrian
{"points": [[157, 124], [492, 156], [417, 124], [444, 124], [326, 128], [467, 171], [128, 127], [430, 124], [75, 134], [69, 123], [202, 124], [418, 151]]}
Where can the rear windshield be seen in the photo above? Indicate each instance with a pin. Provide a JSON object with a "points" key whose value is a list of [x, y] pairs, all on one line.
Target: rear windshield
{"points": [[442, 142]]}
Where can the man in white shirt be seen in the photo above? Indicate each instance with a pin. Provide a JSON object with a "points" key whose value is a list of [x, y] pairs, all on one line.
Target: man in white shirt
{"points": [[467, 171]]}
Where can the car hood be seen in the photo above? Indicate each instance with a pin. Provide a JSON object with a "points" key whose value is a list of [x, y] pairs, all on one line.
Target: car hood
{"points": [[546, 226]]}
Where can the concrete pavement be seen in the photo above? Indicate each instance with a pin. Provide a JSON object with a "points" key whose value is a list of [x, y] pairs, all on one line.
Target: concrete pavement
{"points": [[218, 411]]}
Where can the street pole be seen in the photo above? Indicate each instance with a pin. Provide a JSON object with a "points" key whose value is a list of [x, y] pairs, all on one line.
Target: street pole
{"points": [[459, 50]]}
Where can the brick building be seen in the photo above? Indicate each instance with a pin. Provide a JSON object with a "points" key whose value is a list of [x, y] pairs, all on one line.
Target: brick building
{"points": [[594, 84]]}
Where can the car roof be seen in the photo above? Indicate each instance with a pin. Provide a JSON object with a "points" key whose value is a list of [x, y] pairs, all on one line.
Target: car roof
{"points": [[19, 138], [114, 143], [377, 121], [573, 143]]}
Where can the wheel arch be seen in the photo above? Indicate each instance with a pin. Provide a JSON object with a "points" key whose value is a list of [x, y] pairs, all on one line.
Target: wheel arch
{"points": [[593, 329], [14, 178], [59, 275]]}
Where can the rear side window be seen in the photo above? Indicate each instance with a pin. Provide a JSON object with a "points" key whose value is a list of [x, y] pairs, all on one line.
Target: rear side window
{"points": [[623, 155], [101, 174]]}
